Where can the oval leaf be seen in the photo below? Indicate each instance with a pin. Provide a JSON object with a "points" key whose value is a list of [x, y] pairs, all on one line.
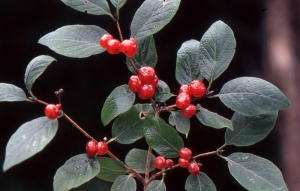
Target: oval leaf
{"points": [[252, 96], [118, 3], [217, 47], [201, 182], [76, 41], [255, 173], [249, 130], [156, 185], [9, 92], [124, 183], [29, 139], [110, 169], [152, 16], [181, 123], [76, 171], [162, 93], [119, 101], [94, 7], [136, 159], [35, 68]]}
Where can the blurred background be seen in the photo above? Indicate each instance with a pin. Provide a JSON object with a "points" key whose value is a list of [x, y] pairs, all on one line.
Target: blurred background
{"points": [[266, 33]]}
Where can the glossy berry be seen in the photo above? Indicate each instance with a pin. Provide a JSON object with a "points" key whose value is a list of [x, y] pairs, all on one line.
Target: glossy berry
{"points": [[183, 100], [189, 111], [134, 83], [146, 92], [52, 111], [193, 168], [129, 48], [198, 88], [169, 163], [185, 153], [155, 81], [91, 148], [146, 74], [183, 162], [105, 39], [113, 46], [102, 148], [185, 88], [159, 162]]}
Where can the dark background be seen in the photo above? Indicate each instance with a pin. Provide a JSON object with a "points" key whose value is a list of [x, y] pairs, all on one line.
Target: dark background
{"points": [[87, 83]]}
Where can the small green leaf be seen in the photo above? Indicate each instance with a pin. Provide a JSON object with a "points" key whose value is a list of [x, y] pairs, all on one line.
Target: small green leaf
{"points": [[9, 92], [181, 123], [75, 172], [29, 139], [217, 48], [201, 182], [188, 62], [255, 173], [252, 96], [118, 3], [35, 68], [249, 130], [136, 159], [119, 101], [152, 16], [110, 169], [94, 7], [124, 183], [156, 185], [75, 41], [212, 119], [162, 138], [162, 93]]}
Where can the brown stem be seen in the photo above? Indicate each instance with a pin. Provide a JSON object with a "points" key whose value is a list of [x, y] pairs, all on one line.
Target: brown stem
{"points": [[119, 29], [133, 65], [42, 102], [148, 166]]}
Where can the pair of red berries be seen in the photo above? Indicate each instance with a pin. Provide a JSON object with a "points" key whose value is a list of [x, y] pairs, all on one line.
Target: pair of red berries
{"points": [[92, 148], [184, 161], [160, 162], [53, 111], [113, 46], [144, 83], [196, 89]]}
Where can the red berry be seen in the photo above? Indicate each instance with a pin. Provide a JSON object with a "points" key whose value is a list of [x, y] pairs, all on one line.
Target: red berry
{"points": [[102, 148], [155, 81], [159, 162], [169, 163], [52, 111], [105, 39], [129, 48], [183, 162], [183, 100], [194, 169], [91, 148], [146, 92], [189, 111], [147, 74], [133, 40], [135, 84], [113, 46], [185, 153], [185, 88], [198, 88]]}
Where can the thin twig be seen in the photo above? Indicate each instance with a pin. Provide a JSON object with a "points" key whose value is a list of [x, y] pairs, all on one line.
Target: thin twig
{"points": [[119, 29], [148, 166]]}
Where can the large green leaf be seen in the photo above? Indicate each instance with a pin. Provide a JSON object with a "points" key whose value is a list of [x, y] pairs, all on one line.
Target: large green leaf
{"points": [[156, 185], [94, 7], [76, 171], [201, 182], [217, 48], [119, 101], [9, 92], [118, 3], [76, 41], [255, 173], [29, 139], [124, 183], [162, 93], [152, 16], [110, 169], [181, 123], [188, 62], [35, 68], [252, 96], [136, 159]]}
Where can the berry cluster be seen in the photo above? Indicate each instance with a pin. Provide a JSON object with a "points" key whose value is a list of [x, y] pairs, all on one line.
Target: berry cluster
{"points": [[114, 46], [53, 111], [184, 161], [144, 83], [160, 162], [195, 89], [92, 148]]}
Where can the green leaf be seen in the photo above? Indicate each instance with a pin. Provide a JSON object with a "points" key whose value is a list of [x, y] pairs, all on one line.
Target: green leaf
{"points": [[249, 130], [201, 182], [163, 138], [118, 3], [129, 126], [94, 7], [76, 41], [110, 169], [255, 173], [146, 54], [124, 183], [212, 119], [75, 172], [152, 16], [35, 68], [217, 48], [29, 139], [162, 93], [136, 159], [252, 96], [188, 62], [9, 92], [156, 185], [119, 101], [181, 123]]}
